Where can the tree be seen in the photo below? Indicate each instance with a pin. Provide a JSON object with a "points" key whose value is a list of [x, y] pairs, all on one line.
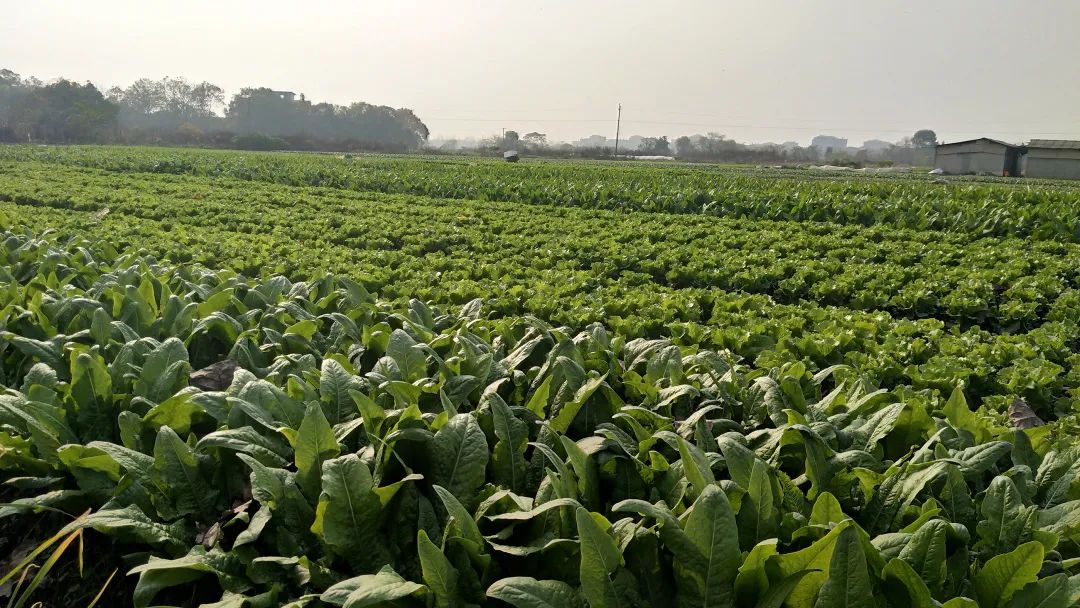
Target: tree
{"points": [[535, 140], [655, 146], [683, 147], [510, 141], [924, 138]]}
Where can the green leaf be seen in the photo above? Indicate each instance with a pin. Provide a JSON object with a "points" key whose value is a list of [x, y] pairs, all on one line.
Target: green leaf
{"points": [[164, 371], [459, 457], [159, 574], [817, 556], [827, 511], [758, 515], [600, 557], [460, 519], [347, 516], [695, 467], [903, 581], [568, 412], [848, 584], [409, 356], [314, 444], [1006, 574], [508, 457], [527, 592], [959, 415], [752, 580], [901, 486], [130, 520], [91, 390], [1003, 523], [1050, 592], [778, 593], [385, 586], [372, 414], [270, 451], [712, 529], [440, 576], [176, 469], [925, 553], [178, 412], [335, 387]]}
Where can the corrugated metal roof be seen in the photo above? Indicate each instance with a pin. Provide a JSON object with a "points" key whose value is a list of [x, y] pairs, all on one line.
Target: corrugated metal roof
{"points": [[971, 141], [1055, 144]]}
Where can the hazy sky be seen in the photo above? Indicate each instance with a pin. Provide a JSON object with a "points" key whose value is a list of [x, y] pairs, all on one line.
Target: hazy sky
{"points": [[756, 70]]}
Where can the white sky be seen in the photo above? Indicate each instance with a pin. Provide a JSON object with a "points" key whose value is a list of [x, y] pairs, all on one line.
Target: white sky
{"points": [[756, 70]]}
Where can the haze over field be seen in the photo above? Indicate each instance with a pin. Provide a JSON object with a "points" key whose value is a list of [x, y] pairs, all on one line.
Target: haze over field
{"points": [[771, 70]]}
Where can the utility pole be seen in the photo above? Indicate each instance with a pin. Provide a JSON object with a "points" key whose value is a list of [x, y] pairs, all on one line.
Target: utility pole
{"points": [[618, 126]]}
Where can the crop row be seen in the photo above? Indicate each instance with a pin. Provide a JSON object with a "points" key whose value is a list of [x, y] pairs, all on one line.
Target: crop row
{"points": [[761, 289], [1041, 210], [341, 451], [1000, 284]]}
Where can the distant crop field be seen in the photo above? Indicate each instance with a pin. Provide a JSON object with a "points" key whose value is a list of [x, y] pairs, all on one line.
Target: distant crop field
{"points": [[270, 379]]}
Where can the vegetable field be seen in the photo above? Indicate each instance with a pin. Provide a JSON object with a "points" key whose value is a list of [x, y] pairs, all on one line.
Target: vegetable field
{"points": [[295, 380]]}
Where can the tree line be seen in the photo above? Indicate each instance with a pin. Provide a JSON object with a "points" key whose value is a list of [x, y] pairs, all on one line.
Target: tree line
{"points": [[174, 111], [712, 147]]}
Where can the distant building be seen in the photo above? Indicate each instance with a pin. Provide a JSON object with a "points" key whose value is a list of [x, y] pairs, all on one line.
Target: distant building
{"points": [[876, 145], [979, 156], [627, 144], [286, 95], [827, 145], [1051, 158]]}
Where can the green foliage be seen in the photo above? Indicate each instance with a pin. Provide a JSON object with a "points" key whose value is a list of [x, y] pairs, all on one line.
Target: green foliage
{"points": [[370, 452]]}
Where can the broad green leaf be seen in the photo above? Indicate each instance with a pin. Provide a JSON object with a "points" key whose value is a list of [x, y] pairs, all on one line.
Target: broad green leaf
{"points": [[271, 451], [439, 574], [758, 516], [1004, 519], [347, 516], [848, 583], [925, 553], [91, 390], [712, 529], [752, 580], [508, 457], [459, 457], [176, 469], [902, 581], [1050, 592], [695, 467], [409, 356], [777, 594], [383, 587], [817, 557], [1006, 574], [527, 592], [372, 414], [132, 521], [335, 386], [313, 444], [600, 557]]}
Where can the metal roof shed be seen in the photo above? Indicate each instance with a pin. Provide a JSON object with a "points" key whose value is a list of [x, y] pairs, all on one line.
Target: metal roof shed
{"points": [[979, 156], [1053, 159]]}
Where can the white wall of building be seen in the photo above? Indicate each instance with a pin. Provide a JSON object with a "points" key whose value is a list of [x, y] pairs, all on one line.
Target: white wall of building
{"points": [[973, 157], [1052, 163]]}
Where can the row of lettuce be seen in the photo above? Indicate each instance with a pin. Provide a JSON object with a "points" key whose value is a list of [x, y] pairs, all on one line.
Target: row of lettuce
{"points": [[346, 451], [1028, 208], [919, 309]]}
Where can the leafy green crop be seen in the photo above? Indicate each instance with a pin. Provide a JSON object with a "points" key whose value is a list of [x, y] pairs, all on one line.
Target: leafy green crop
{"points": [[924, 309], [347, 451], [985, 206]]}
